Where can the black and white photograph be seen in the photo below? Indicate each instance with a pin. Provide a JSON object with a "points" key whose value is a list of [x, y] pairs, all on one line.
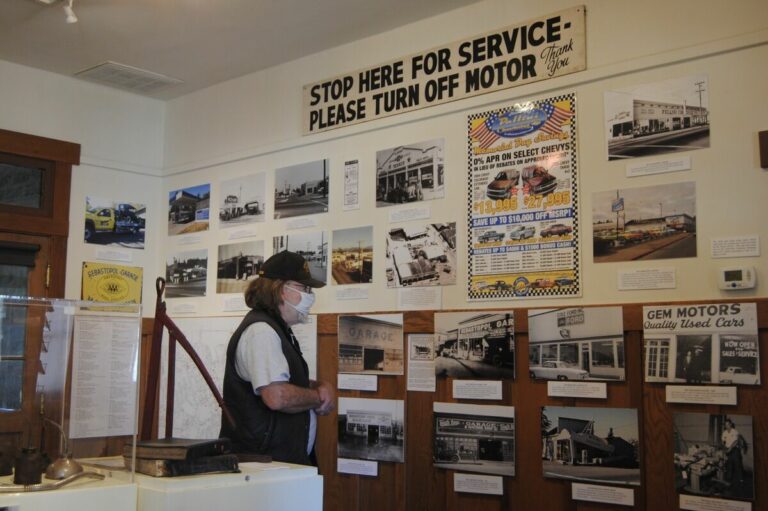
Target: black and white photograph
{"points": [[371, 344], [474, 438], [238, 265], [242, 200], [421, 255], [647, 223], [186, 273], [313, 246], [120, 224], [302, 189], [658, 118], [576, 343], [352, 256], [714, 455], [371, 429], [475, 345], [593, 445], [189, 210], [410, 173], [701, 344]]}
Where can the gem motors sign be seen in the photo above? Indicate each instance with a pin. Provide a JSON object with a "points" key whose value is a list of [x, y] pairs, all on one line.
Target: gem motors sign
{"points": [[538, 49]]}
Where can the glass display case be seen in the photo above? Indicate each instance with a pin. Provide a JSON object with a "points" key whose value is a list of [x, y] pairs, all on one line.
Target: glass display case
{"points": [[69, 373]]}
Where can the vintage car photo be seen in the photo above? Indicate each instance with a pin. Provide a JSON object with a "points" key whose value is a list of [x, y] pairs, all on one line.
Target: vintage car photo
{"points": [[576, 343], [538, 181], [503, 185], [557, 370]]}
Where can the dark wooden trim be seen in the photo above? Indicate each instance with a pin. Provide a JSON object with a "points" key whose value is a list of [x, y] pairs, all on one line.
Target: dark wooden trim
{"points": [[44, 148]]}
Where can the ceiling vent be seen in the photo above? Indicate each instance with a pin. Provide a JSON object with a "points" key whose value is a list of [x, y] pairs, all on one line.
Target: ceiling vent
{"points": [[128, 78]]}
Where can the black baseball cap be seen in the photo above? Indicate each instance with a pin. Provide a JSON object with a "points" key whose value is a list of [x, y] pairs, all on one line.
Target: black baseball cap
{"points": [[287, 265]]}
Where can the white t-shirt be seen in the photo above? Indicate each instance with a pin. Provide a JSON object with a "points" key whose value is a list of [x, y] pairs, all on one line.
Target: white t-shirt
{"points": [[730, 437], [260, 361]]}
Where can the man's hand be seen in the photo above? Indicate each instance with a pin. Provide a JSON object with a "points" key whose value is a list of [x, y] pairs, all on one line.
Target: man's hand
{"points": [[327, 397]]}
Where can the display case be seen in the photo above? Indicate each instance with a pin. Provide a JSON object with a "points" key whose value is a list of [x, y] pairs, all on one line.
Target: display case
{"points": [[69, 374]]}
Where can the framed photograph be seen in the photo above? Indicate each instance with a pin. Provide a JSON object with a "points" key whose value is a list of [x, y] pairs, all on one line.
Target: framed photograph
{"points": [[700, 344], [302, 189], [475, 345], [651, 222], [421, 255], [576, 343], [189, 210], [474, 438], [658, 118], [598, 445], [238, 265], [410, 173], [371, 344], [120, 224], [352, 256], [242, 200], [714, 455], [186, 274], [313, 246], [371, 429]]}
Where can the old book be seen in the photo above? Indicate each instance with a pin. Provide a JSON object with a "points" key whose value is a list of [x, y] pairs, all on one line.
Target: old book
{"points": [[174, 468], [178, 448]]}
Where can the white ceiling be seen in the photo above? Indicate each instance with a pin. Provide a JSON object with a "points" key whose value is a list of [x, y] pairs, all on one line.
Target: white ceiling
{"points": [[201, 42]]}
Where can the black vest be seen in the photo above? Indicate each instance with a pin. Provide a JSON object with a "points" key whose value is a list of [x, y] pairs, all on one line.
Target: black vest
{"points": [[284, 436]]}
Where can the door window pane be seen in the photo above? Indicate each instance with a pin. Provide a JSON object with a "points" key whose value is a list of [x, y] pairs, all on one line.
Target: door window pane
{"points": [[11, 372], [13, 279], [21, 186], [13, 321]]}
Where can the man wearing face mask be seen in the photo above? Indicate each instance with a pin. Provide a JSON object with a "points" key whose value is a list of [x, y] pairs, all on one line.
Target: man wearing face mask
{"points": [[266, 380]]}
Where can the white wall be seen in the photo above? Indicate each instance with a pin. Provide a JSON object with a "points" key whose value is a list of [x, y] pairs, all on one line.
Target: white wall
{"points": [[121, 138], [253, 124]]}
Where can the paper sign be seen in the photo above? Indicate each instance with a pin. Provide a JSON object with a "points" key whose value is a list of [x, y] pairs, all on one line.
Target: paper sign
{"points": [[359, 467], [352, 293], [301, 223], [658, 167], [420, 298], [357, 382], [470, 483], [577, 389], [234, 304], [406, 215], [242, 233], [351, 185], [694, 503], [476, 389], [735, 246], [607, 494], [190, 240], [649, 278], [696, 394], [182, 308], [114, 255]]}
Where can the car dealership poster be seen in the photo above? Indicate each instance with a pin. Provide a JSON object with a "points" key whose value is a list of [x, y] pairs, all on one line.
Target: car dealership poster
{"points": [[523, 198]]}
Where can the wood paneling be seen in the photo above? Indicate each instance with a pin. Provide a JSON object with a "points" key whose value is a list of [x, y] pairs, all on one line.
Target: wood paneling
{"points": [[417, 486]]}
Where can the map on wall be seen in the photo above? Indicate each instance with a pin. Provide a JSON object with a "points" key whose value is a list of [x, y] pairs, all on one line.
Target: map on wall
{"points": [[523, 233], [196, 413]]}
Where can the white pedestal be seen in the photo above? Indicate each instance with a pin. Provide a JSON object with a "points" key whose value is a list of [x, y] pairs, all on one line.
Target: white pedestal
{"points": [[114, 494], [266, 487]]}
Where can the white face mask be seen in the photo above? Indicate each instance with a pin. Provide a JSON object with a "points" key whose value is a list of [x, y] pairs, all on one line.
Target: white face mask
{"points": [[306, 302]]}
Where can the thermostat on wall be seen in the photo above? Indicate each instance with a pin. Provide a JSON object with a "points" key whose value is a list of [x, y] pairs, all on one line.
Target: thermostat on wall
{"points": [[737, 277]]}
